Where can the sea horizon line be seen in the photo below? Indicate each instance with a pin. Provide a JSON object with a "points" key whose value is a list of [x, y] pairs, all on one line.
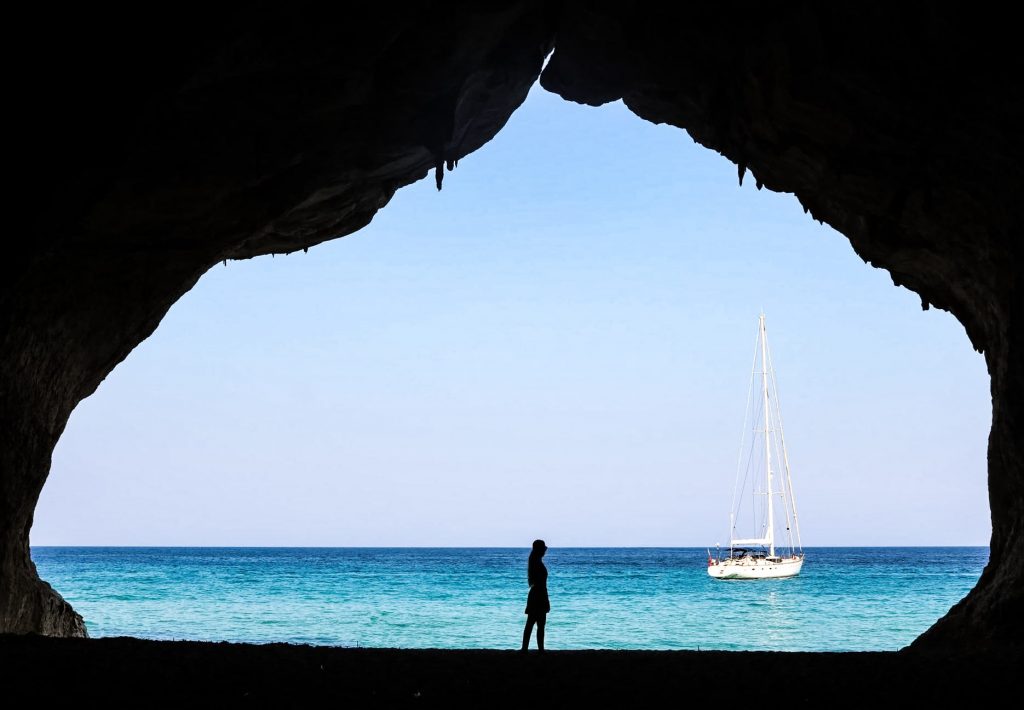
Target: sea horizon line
{"points": [[484, 547]]}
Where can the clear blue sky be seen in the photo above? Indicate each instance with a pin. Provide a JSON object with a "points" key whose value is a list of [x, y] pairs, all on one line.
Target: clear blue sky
{"points": [[557, 345]]}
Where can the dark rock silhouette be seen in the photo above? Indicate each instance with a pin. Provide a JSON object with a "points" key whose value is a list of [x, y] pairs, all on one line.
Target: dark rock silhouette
{"points": [[144, 151], [120, 671]]}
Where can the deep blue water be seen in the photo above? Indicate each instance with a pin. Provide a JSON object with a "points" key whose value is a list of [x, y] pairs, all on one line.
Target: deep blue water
{"points": [[846, 599]]}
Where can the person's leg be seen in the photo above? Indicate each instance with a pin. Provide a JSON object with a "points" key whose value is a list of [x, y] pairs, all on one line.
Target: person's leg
{"points": [[526, 633], [540, 631]]}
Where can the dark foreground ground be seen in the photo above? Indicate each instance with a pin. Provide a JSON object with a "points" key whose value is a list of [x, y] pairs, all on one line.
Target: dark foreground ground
{"points": [[40, 672]]}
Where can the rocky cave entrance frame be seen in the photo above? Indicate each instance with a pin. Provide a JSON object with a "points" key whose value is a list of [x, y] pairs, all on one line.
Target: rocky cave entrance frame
{"points": [[241, 136]]}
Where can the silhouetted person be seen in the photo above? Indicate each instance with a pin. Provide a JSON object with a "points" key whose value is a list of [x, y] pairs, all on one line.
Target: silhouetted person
{"points": [[537, 604]]}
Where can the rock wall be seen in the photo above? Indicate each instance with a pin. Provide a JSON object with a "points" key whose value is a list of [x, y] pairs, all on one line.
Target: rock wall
{"points": [[898, 126], [147, 149], [153, 148]]}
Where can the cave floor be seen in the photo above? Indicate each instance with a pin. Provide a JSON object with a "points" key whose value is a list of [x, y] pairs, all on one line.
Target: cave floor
{"points": [[147, 673]]}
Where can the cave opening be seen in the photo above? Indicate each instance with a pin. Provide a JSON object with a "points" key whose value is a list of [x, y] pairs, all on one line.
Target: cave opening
{"points": [[559, 318], [144, 158]]}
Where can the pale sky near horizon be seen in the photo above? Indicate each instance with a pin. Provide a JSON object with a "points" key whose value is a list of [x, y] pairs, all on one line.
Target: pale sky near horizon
{"points": [[556, 345]]}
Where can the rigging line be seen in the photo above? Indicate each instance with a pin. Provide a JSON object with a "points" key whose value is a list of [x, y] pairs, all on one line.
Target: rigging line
{"points": [[758, 438], [751, 461], [743, 434], [774, 426], [754, 465], [746, 477], [761, 527], [785, 455], [775, 415], [782, 481], [743, 488]]}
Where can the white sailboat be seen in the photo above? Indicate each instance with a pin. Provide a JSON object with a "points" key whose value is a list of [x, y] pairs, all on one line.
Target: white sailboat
{"points": [[766, 555]]}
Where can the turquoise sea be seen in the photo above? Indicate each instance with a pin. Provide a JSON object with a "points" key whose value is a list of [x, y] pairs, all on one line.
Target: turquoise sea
{"points": [[846, 598]]}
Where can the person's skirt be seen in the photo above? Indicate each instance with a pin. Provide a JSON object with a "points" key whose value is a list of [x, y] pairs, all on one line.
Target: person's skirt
{"points": [[537, 602]]}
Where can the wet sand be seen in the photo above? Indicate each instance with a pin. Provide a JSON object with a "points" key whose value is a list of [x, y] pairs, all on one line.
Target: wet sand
{"points": [[127, 671]]}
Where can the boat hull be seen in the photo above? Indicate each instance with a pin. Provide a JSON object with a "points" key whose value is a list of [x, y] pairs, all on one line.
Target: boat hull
{"points": [[755, 568]]}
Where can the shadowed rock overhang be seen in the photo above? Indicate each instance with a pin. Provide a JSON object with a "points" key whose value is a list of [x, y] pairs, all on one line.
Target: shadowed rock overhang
{"points": [[146, 149]]}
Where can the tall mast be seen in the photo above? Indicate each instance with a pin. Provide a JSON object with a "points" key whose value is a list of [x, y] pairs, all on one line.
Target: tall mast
{"points": [[770, 535]]}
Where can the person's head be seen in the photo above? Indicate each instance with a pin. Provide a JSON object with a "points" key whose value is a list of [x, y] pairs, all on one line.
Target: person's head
{"points": [[534, 565], [539, 548]]}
